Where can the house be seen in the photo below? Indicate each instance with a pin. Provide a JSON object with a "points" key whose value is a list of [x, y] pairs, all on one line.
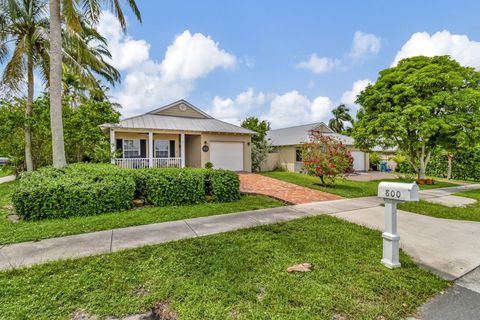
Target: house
{"points": [[286, 143], [179, 135]]}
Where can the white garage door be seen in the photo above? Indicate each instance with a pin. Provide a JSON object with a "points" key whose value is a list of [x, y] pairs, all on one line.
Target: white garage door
{"points": [[227, 155], [358, 160]]}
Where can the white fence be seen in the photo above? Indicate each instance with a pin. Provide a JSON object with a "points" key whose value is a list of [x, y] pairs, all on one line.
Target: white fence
{"points": [[135, 163]]}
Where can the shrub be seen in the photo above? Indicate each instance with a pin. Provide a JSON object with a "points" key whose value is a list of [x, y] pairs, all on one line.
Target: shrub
{"points": [[90, 189], [75, 191], [222, 185], [208, 165], [325, 157], [163, 187], [374, 159]]}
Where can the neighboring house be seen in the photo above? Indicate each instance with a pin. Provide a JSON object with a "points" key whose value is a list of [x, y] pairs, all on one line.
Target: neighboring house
{"points": [[179, 135], [286, 143]]}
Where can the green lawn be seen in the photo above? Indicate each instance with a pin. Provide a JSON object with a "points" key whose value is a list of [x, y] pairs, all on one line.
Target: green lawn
{"points": [[24, 231], [343, 187], [471, 212], [239, 275]]}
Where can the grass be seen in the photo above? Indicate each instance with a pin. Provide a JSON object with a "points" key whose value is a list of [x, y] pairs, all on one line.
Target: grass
{"points": [[343, 187], [35, 230], [5, 171], [471, 212], [239, 275]]}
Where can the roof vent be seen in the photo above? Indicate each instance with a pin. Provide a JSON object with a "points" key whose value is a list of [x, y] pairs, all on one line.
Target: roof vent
{"points": [[183, 107]]}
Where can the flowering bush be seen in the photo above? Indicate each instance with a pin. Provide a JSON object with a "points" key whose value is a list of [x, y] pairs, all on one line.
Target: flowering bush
{"points": [[326, 157]]}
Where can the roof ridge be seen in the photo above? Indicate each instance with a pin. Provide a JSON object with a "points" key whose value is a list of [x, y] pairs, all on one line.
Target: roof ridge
{"points": [[302, 125]]}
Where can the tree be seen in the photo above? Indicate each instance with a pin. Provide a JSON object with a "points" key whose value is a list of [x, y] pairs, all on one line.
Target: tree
{"points": [[25, 24], [260, 146], [325, 157], [421, 104], [84, 140], [340, 116], [72, 16]]}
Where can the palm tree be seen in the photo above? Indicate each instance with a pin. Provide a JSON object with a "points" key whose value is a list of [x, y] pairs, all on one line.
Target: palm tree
{"points": [[72, 21], [340, 115], [24, 28]]}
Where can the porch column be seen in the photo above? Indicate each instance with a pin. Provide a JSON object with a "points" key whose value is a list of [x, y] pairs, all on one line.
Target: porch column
{"points": [[113, 146], [182, 149], [150, 149]]}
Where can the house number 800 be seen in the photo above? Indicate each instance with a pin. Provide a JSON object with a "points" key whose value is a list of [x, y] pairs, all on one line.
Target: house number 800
{"points": [[393, 194]]}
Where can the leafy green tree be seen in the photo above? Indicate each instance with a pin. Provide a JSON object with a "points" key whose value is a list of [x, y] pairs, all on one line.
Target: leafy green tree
{"points": [[25, 24], [260, 146], [68, 14], [84, 140], [340, 116], [421, 104]]}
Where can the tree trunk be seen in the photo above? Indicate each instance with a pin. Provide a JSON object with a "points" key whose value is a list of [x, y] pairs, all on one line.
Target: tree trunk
{"points": [[424, 159], [449, 167], [422, 171], [56, 122], [28, 115]]}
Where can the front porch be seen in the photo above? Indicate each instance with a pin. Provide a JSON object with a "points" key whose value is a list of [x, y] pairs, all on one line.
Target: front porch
{"points": [[138, 163], [135, 150]]}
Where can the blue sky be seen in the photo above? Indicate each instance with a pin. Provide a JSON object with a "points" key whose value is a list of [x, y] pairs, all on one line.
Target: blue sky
{"points": [[289, 62]]}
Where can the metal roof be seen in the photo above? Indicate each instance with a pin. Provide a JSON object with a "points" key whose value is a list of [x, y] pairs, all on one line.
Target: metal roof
{"points": [[300, 134], [153, 121], [156, 122]]}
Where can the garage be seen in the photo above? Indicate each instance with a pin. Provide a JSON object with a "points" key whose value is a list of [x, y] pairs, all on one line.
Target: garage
{"points": [[358, 160], [227, 155]]}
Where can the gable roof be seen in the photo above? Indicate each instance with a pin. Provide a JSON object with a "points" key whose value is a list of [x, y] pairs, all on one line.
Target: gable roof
{"points": [[159, 119], [300, 134], [194, 111]]}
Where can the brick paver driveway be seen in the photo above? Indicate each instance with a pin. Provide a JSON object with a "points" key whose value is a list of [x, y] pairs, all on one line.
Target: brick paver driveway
{"points": [[288, 192]]}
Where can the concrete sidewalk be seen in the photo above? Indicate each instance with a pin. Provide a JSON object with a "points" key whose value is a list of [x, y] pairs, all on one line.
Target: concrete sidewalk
{"points": [[34, 252], [87, 244]]}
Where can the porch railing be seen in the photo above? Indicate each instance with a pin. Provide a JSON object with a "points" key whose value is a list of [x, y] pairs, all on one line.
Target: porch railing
{"points": [[136, 163]]}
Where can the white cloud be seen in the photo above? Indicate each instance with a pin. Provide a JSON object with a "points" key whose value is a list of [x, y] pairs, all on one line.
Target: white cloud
{"points": [[459, 47], [349, 96], [149, 83], [126, 52], [318, 64], [234, 110], [364, 44], [292, 108], [193, 56]]}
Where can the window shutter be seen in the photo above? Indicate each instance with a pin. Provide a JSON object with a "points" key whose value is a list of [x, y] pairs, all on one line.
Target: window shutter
{"points": [[119, 144], [143, 148], [172, 148]]}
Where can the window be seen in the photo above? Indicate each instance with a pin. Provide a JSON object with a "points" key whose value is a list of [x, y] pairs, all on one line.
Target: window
{"points": [[131, 148], [298, 155], [162, 148]]}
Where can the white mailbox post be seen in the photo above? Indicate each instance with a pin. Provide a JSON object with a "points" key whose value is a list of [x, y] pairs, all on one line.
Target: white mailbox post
{"points": [[392, 193]]}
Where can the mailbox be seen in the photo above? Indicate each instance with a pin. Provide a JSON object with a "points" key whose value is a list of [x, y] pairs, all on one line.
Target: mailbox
{"points": [[398, 191], [392, 193]]}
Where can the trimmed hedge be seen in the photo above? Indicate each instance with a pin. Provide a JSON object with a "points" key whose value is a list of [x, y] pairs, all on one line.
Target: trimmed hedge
{"points": [[222, 185], [51, 193], [90, 189], [163, 187]]}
